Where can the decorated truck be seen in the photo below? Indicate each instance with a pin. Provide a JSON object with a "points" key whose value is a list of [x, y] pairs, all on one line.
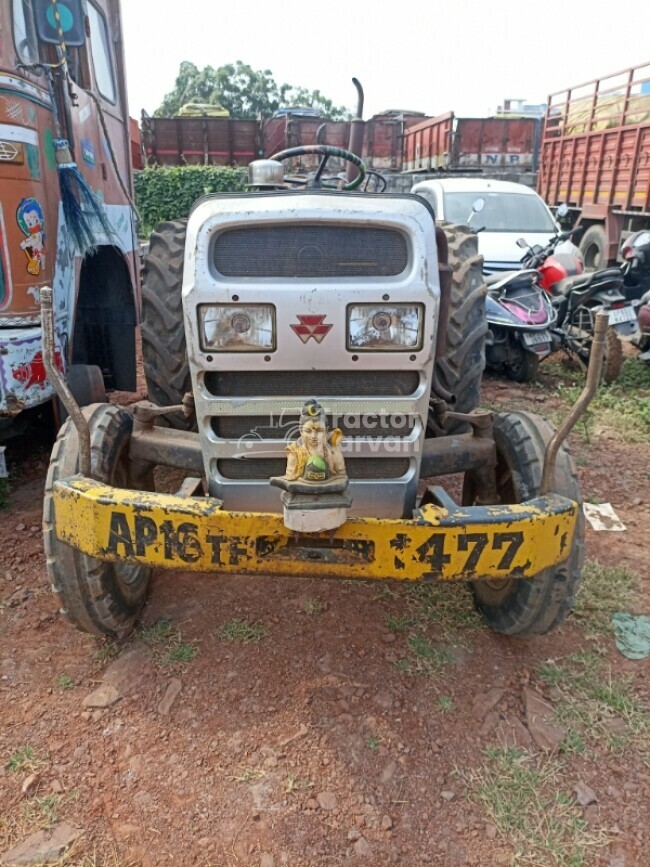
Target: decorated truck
{"points": [[66, 218]]}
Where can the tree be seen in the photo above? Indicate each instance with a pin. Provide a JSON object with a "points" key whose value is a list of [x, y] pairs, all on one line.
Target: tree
{"points": [[244, 91]]}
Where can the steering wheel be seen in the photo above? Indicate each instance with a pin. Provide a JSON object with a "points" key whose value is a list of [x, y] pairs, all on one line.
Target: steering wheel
{"points": [[326, 151], [375, 182]]}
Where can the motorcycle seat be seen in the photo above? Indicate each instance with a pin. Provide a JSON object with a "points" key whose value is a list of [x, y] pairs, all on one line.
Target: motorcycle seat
{"points": [[580, 282], [494, 279], [510, 280]]}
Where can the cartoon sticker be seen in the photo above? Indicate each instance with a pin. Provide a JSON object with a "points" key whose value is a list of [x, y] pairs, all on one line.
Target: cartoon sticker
{"points": [[87, 152], [29, 217]]}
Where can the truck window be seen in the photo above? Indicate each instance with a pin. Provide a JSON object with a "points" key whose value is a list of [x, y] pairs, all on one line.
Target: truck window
{"points": [[101, 53], [24, 32]]}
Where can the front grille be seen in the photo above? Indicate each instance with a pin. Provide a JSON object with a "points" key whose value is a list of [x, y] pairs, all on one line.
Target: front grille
{"points": [[307, 383], [310, 251], [357, 468], [232, 427]]}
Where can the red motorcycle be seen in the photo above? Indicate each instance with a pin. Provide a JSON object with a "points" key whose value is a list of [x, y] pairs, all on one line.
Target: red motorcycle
{"points": [[578, 296]]}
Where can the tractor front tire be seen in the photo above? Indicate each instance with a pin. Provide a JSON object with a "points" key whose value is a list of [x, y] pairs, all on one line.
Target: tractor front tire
{"points": [[96, 597], [164, 352], [461, 368], [525, 606]]}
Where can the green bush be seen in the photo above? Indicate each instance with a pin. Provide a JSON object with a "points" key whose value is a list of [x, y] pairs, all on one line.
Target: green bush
{"points": [[169, 193]]}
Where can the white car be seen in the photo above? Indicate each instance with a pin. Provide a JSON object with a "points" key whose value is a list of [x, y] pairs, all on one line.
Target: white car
{"points": [[510, 211]]}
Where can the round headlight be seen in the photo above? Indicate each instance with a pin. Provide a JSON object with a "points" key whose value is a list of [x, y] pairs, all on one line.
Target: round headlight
{"points": [[381, 321]]}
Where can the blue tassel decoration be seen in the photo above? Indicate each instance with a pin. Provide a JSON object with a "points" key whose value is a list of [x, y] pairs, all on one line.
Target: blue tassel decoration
{"points": [[84, 212]]}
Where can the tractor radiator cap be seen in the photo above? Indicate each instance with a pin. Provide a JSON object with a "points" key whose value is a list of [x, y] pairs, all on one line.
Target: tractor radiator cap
{"points": [[265, 173]]}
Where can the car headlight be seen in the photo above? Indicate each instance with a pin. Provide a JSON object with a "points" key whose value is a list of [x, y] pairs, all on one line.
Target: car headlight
{"points": [[385, 327], [237, 328]]}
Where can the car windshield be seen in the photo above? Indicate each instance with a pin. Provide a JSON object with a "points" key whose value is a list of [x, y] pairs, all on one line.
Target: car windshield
{"points": [[502, 212]]}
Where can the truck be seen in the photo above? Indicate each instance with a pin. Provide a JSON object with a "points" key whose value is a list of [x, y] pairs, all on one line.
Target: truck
{"points": [[595, 157], [64, 125], [322, 352], [468, 144]]}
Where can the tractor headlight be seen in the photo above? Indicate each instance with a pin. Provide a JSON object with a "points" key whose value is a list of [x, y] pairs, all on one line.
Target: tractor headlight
{"points": [[385, 327], [237, 328]]}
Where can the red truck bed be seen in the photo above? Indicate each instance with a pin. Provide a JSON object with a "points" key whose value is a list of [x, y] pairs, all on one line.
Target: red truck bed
{"points": [[596, 145]]}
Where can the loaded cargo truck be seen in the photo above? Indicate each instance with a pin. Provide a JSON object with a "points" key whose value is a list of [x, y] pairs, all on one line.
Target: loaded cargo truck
{"points": [[595, 156]]}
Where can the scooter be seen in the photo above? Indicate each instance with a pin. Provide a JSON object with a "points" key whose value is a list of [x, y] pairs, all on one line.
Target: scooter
{"points": [[519, 316], [577, 297]]}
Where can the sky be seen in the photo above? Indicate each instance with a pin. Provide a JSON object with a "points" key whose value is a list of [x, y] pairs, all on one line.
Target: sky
{"points": [[422, 55]]}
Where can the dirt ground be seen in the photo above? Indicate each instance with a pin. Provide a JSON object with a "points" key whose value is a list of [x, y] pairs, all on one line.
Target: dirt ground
{"points": [[293, 722]]}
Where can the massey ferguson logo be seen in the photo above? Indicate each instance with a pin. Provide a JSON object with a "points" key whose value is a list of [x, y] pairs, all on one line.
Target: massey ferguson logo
{"points": [[312, 326]]}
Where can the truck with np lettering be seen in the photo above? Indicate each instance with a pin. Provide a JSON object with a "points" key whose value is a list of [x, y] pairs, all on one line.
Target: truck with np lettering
{"points": [[317, 357], [66, 220]]}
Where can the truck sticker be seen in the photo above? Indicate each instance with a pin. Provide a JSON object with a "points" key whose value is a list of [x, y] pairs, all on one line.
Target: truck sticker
{"points": [[29, 217], [34, 162], [33, 372], [88, 152]]}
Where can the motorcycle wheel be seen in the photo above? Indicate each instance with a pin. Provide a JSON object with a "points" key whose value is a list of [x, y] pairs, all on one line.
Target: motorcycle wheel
{"points": [[522, 365]]}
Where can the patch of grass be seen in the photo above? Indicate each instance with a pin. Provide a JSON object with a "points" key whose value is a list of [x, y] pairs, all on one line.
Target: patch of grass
{"points": [[423, 658], [180, 653], [64, 681], [313, 606], [297, 784], [398, 622], [23, 760], [242, 631], [247, 775], [596, 706], [522, 796], [604, 590], [109, 650], [616, 408], [372, 743], [634, 374], [42, 812], [158, 633], [445, 703], [447, 604]]}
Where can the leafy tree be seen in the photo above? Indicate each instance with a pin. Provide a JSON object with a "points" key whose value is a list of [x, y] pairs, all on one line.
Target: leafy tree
{"points": [[244, 91]]}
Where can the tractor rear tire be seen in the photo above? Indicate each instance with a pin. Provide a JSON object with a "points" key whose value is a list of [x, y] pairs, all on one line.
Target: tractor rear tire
{"points": [[524, 606], [164, 351], [96, 597], [461, 368]]}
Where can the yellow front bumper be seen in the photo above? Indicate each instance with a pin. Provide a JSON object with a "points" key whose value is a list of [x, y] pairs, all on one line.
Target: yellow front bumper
{"points": [[197, 534]]}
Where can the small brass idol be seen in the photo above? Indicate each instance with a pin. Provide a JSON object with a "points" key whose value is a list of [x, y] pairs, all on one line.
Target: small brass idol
{"points": [[315, 478]]}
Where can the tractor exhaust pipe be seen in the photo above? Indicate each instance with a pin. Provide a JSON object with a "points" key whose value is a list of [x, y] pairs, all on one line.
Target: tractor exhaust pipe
{"points": [[580, 406], [357, 131]]}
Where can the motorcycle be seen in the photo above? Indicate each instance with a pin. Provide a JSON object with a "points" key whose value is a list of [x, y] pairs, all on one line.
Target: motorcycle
{"points": [[519, 316], [577, 297], [635, 252]]}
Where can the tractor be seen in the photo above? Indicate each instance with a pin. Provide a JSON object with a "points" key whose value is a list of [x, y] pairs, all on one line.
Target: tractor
{"points": [[313, 355]]}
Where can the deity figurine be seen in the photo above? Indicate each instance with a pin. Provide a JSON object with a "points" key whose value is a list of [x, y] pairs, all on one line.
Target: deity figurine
{"points": [[314, 461]]}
